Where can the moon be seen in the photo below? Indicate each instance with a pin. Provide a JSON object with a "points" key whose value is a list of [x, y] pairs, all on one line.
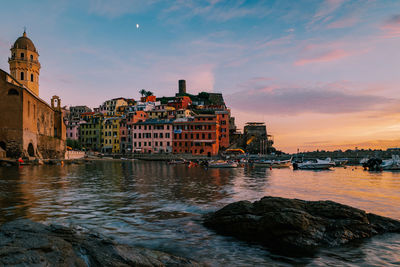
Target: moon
{"points": [[137, 26]]}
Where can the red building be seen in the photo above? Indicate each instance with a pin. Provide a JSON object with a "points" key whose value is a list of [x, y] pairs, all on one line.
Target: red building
{"points": [[180, 102], [223, 118], [197, 136]]}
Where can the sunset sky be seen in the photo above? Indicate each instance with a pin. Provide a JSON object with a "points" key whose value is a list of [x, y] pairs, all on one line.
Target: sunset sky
{"points": [[321, 74]]}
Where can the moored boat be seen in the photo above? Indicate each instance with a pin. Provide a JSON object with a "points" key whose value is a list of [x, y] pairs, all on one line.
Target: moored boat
{"points": [[392, 164], [222, 164], [273, 163], [340, 162], [177, 161], [317, 164]]}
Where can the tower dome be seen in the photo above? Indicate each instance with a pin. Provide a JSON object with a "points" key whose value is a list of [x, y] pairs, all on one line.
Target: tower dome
{"points": [[24, 63], [24, 42]]}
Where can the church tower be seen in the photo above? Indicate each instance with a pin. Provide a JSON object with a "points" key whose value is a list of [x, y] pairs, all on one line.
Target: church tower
{"points": [[24, 63]]}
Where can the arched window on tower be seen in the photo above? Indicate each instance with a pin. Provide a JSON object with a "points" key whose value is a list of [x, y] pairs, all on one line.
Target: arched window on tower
{"points": [[31, 77], [22, 76], [22, 55], [31, 57]]}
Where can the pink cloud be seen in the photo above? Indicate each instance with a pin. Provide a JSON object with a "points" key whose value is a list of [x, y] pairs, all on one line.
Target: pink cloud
{"points": [[392, 27], [323, 57]]}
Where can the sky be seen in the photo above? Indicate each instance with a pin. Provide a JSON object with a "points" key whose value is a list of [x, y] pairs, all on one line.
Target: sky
{"points": [[321, 74]]}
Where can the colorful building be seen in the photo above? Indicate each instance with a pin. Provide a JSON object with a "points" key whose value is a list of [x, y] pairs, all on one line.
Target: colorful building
{"points": [[197, 135], [110, 107], [126, 129], [152, 136], [90, 131], [223, 118], [110, 135]]}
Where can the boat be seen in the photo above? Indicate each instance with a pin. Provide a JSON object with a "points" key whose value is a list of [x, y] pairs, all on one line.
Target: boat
{"points": [[340, 162], [177, 161], [273, 163], [317, 164], [222, 164], [392, 164]]}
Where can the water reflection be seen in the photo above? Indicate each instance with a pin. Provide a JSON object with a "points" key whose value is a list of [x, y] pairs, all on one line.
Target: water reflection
{"points": [[159, 206]]}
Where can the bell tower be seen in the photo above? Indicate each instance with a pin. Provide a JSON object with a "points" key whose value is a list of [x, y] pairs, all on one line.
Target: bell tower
{"points": [[24, 63]]}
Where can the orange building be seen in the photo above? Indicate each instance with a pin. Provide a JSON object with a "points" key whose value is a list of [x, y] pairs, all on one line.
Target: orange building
{"points": [[180, 102], [197, 135], [223, 117]]}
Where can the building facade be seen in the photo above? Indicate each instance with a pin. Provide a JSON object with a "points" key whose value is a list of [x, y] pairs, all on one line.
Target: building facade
{"points": [[152, 136], [197, 135], [28, 125]]}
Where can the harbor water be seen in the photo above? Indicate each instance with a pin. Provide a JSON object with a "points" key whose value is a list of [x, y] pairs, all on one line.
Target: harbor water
{"points": [[160, 206]]}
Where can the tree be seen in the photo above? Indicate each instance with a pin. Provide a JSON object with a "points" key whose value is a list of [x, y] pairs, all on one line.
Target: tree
{"points": [[148, 93], [142, 92]]}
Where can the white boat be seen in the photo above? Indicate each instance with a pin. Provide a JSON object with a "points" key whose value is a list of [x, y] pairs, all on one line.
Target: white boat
{"points": [[222, 164], [340, 162], [273, 163], [317, 164], [392, 164], [177, 161]]}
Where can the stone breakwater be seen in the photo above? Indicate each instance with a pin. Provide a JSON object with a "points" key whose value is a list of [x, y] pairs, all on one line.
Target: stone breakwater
{"points": [[27, 243], [296, 226]]}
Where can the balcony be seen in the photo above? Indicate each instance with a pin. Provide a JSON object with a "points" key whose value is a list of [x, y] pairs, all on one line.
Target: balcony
{"points": [[24, 59]]}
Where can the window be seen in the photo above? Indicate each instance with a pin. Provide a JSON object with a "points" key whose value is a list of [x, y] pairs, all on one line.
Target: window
{"points": [[160, 143], [167, 143], [22, 76], [31, 57], [22, 55], [13, 92], [167, 135], [29, 108]]}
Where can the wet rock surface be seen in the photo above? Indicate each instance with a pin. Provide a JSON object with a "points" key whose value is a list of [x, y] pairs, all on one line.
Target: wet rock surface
{"points": [[26, 243], [291, 225]]}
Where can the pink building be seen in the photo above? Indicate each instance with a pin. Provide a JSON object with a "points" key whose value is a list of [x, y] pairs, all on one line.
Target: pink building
{"points": [[73, 130], [152, 136]]}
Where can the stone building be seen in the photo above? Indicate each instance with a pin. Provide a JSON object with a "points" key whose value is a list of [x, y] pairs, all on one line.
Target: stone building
{"points": [[255, 138], [28, 125]]}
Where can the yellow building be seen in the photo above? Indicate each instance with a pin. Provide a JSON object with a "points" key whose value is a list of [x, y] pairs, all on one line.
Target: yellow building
{"points": [[110, 135], [183, 113], [161, 114], [111, 106]]}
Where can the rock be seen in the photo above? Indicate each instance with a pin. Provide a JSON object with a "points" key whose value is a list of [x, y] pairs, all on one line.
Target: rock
{"points": [[26, 243], [297, 226]]}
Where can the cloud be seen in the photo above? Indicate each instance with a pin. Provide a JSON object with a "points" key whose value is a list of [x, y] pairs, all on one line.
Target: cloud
{"points": [[292, 101], [215, 10], [322, 57], [392, 27], [325, 11], [116, 8], [343, 22]]}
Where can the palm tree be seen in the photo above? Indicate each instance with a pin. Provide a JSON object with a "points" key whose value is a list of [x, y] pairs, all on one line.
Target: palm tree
{"points": [[148, 93], [142, 92]]}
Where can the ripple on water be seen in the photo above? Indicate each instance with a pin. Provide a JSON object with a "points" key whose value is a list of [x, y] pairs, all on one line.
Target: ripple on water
{"points": [[155, 205]]}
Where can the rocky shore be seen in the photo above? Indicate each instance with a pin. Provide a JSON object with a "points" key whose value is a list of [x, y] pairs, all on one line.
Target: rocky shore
{"points": [[292, 226], [27, 243]]}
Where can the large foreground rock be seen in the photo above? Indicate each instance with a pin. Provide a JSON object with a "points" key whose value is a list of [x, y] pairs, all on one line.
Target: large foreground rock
{"points": [[293, 225], [26, 243]]}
